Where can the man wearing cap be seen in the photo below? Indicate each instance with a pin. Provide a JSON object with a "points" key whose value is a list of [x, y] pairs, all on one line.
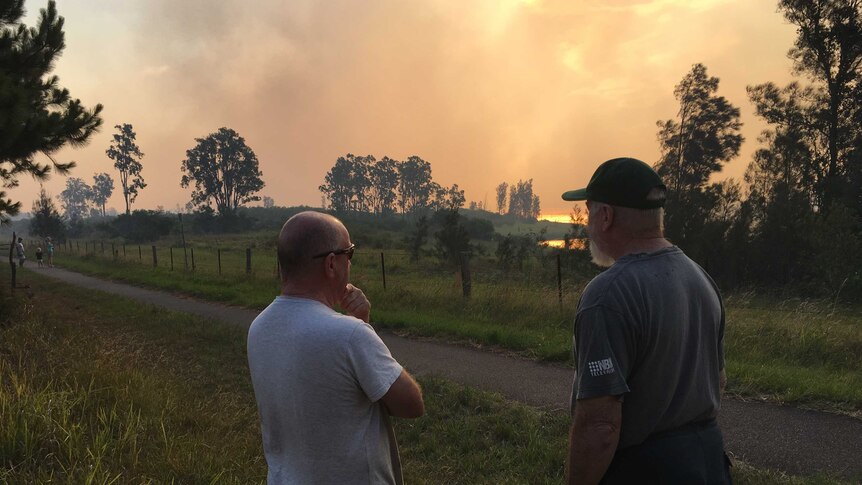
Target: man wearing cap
{"points": [[648, 345]]}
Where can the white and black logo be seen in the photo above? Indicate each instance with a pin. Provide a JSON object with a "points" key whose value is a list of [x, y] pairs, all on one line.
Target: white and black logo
{"points": [[601, 367]]}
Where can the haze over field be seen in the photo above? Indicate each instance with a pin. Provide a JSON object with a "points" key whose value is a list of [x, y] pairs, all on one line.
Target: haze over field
{"points": [[486, 91]]}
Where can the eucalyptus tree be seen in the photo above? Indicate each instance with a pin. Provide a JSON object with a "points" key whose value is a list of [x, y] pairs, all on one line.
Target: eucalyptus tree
{"points": [[522, 202], [126, 154], [806, 178], [383, 178], [347, 184], [103, 187], [415, 184], [502, 197], [224, 170], [828, 50], [704, 136], [75, 199]]}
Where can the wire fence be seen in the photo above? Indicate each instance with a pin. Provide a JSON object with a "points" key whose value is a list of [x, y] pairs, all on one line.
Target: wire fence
{"points": [[553, 269]]}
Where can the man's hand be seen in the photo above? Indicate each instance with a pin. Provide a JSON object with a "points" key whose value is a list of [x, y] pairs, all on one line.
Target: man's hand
{"points": [[355, 303]]}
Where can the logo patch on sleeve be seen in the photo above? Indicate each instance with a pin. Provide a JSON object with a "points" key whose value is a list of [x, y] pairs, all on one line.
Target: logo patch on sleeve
{"points": [[601, 367]]}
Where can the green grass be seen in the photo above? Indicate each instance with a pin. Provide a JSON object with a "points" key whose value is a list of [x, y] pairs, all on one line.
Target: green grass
{"points": [[94, 389], [421, 298], [796, 351], [99, 389], [784, 350]]}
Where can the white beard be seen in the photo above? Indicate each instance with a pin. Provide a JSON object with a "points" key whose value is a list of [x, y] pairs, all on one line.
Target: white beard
{"points": [[599, 257]]}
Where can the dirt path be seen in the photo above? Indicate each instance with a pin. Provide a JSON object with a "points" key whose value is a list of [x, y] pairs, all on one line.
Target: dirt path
{"points": [[783, 438]]}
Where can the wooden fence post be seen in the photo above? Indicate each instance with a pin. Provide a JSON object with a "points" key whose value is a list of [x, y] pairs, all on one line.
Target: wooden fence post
{"points": [[193, 259], [466, 284], [559, 280], [172, 257], [248, 260], [219, 261], [155, 258], [12, 260], [140, 255], [383, 269], [185, 253]]}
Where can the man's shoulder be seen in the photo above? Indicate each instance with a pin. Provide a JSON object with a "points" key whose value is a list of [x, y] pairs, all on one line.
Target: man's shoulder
{"points": [[613, 284], [308, 316], [603, 285]]}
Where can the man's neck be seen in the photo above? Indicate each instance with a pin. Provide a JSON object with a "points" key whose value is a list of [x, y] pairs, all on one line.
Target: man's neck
{"points": [[308, 294], [642, 245]]}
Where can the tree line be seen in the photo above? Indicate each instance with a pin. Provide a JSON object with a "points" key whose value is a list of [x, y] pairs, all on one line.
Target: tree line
{"points": [[386, 186], [796, 217], [518, 200]]}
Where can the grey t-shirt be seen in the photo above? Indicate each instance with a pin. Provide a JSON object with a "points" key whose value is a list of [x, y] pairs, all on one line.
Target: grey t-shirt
{"points": [[651, 329], [317, 377]]}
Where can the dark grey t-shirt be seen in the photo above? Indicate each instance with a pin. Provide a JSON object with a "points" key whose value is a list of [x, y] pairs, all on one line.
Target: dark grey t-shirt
{"points": [[651, 328]]}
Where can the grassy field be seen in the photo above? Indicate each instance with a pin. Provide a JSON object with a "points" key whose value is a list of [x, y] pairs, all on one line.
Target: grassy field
{"points": [[422, 297], [787, 351], [96, 389]]}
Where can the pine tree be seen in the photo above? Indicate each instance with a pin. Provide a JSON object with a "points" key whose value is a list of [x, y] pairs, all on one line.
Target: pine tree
{"points": [[46, 221], [37, 116]]}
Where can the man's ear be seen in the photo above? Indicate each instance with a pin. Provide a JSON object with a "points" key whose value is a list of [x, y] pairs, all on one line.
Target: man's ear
{"points": [[607, 217], [329, 265]]}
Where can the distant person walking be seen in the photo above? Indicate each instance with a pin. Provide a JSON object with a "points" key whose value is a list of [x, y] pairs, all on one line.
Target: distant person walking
{"points": [[50, 247], [19, 248], [325, 383], [648, 344], [39, 256]]}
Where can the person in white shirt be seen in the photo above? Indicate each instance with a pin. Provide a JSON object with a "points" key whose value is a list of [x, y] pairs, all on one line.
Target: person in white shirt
{"points": [[325, 383]]}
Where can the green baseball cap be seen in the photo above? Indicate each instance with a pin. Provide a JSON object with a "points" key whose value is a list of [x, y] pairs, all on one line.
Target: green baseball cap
{"points": [[623, 182]]}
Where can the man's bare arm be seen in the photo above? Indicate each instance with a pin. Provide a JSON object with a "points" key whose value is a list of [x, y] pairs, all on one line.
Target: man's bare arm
{"points": [[404, 398], [593, 439]]}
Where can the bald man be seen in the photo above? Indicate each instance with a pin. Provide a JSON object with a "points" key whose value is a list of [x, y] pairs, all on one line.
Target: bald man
{"points": [[325, 383]]}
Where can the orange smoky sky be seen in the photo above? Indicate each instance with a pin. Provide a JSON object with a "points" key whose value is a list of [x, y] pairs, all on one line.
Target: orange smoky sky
{"points": [[487, 90]]}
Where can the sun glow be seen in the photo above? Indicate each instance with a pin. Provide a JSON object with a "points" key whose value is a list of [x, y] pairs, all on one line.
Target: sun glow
{"points": [[561, 243], [563, 218]]}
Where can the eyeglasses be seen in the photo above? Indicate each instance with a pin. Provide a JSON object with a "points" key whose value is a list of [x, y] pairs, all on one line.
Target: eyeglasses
{"points": [[348, 251]]}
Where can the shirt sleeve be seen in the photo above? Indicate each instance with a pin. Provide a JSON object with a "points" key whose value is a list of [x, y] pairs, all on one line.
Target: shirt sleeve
{"points": [[372, 364], [604, 353]]}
